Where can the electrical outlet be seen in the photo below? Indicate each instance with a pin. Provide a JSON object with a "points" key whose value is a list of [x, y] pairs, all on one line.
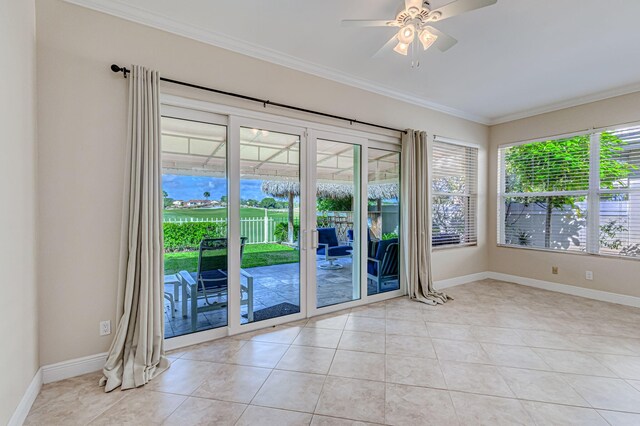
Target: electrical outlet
{"points": [[105, 327], [554, 270], [589, 275]]}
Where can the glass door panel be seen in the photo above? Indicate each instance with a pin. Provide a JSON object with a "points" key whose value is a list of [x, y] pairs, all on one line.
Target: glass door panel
{"points": [[269, 224], [194, 188], [338, 222], [383, 221]]}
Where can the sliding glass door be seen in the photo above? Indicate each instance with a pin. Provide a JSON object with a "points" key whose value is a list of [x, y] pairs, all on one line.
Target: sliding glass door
{"points": [[266, 223]]}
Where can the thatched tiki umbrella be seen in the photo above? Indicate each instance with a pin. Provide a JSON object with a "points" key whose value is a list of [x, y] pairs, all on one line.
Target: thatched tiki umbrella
{"points": [[291, 189]]}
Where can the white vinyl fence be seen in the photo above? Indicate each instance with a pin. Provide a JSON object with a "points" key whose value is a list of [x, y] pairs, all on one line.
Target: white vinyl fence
{"points": [[256, 229]]}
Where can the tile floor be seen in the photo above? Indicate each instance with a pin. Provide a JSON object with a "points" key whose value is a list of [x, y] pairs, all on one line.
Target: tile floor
{"points": [[499, 354]]}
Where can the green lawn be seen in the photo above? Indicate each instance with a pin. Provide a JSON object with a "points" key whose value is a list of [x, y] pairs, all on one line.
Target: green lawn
{"points": [[254, 255], [221, 213]]}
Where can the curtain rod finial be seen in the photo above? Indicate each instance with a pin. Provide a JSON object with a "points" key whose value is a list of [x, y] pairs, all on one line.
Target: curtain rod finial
{"points": [[117, 68]]}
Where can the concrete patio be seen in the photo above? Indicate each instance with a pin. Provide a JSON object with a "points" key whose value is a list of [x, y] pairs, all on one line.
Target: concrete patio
{"points": [[272, 286]]}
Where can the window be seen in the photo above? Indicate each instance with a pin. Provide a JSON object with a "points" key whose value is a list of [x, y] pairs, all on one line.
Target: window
{"points": [[579, 194], [454, 186]]}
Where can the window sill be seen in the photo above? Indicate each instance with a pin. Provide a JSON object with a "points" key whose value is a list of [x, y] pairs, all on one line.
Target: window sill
{"points": [[453, 246], [576, 253]]}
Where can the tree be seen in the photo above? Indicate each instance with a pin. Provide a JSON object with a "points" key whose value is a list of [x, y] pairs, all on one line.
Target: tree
{"points": [[206, 195], [561, 165], [334, 204], [268, 203], [166, 200], [223, 199]]}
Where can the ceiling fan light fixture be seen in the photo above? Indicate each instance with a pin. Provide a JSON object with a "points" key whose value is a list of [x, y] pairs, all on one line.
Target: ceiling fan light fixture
{"points": [[427, 38], [401, 48], [406, 34]]}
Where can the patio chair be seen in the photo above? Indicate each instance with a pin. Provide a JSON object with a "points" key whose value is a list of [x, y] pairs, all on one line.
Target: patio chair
{"points": [[210, 282], [383, 267], [330, 248], [370, 243]]}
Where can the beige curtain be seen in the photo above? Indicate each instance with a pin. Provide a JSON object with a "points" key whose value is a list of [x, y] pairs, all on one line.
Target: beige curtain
{"points": [[137, 354], [416, 219]]}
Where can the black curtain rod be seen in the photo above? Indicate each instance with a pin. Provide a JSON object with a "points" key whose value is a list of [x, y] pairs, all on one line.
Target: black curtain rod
{"points": [[264, 102]]}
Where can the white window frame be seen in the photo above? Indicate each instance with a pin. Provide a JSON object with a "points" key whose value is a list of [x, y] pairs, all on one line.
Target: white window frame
{"points": [[471, 218], [593, 193]]}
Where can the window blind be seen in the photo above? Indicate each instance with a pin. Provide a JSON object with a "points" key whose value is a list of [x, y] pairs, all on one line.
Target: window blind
{"points": [[454, 193], [579, 194]]}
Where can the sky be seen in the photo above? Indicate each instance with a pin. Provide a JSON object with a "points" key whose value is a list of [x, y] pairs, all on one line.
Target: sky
{"points": [[181, 187]]}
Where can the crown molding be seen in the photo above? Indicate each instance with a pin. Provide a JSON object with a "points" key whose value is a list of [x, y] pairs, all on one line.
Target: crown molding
{"points": [[570, 103], [150, 19]]}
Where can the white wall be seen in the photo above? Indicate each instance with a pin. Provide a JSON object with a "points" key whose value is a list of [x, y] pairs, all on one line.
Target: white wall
{"points": [[620, 276], [82, 129], [18, 304]]}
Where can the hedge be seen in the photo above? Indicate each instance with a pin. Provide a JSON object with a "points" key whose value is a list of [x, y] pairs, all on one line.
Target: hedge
{"points": [[187, 236]]}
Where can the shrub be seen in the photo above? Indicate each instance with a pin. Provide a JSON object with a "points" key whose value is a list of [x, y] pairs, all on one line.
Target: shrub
{"points": [[187, 236], [281, 231]]}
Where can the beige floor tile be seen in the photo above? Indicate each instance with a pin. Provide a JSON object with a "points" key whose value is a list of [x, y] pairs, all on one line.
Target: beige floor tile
{"points": [[290, 390], [259, 354], [330, 321], [201, 412], [371, 325], [606, 344], [264, 416], [450, 331], [281, 334], [404, 313], [411, 405], [573, 362], [547, 339], [183, 377], [307, 359], [561, 415], [235, 383], [216, 351], [153, 407], [489, 410], [627, 367], [352, 399], [616, 418], [458, 350], [503, 336], [358, 365], [319, 337], [406, 328], [541, 386], [606, 393], [361, 341], [72, 402], [372, 311], [414, 371], [476, 378], [514, 356], [420, 347], [334, 421]]}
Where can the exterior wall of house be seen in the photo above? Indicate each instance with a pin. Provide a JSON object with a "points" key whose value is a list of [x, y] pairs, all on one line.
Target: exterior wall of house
{"points": [[614, 275], [82, 133], [18, 304]]}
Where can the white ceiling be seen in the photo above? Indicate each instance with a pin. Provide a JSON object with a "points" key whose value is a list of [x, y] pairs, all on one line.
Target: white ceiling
{"points": [[514, 59]]}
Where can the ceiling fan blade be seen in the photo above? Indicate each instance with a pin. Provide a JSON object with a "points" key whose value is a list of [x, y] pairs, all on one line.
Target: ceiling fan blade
{"points": [[460, 6], [386, 47], [444, 41], [364, 23]]}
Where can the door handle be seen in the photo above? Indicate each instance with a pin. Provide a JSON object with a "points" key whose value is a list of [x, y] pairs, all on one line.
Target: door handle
{"points": [[314, 239]]}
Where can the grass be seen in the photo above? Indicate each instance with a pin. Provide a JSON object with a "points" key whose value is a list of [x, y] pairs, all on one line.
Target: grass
{"points": [[254, 255], [221, 213]]}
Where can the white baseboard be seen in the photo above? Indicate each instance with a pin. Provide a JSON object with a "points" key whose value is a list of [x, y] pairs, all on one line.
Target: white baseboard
{"points": [[73, 367], [451, 282], [604, 296], [29, 397]]}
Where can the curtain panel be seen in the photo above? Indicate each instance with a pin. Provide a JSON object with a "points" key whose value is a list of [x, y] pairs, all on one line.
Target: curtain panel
{"points": [[137, 353]]}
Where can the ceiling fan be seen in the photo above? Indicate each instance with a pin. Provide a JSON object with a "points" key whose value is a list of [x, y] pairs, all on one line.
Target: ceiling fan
{"points": [[414, 19]]}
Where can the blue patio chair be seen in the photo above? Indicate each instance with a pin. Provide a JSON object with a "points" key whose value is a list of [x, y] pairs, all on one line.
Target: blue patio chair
{"points": [[383, 267], [330, 248], [370, 243], [210, 281]]}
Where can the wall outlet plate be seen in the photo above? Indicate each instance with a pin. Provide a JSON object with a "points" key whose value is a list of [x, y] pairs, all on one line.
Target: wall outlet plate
{"points": [[589, 275], [105, 327], [554, 270]]}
